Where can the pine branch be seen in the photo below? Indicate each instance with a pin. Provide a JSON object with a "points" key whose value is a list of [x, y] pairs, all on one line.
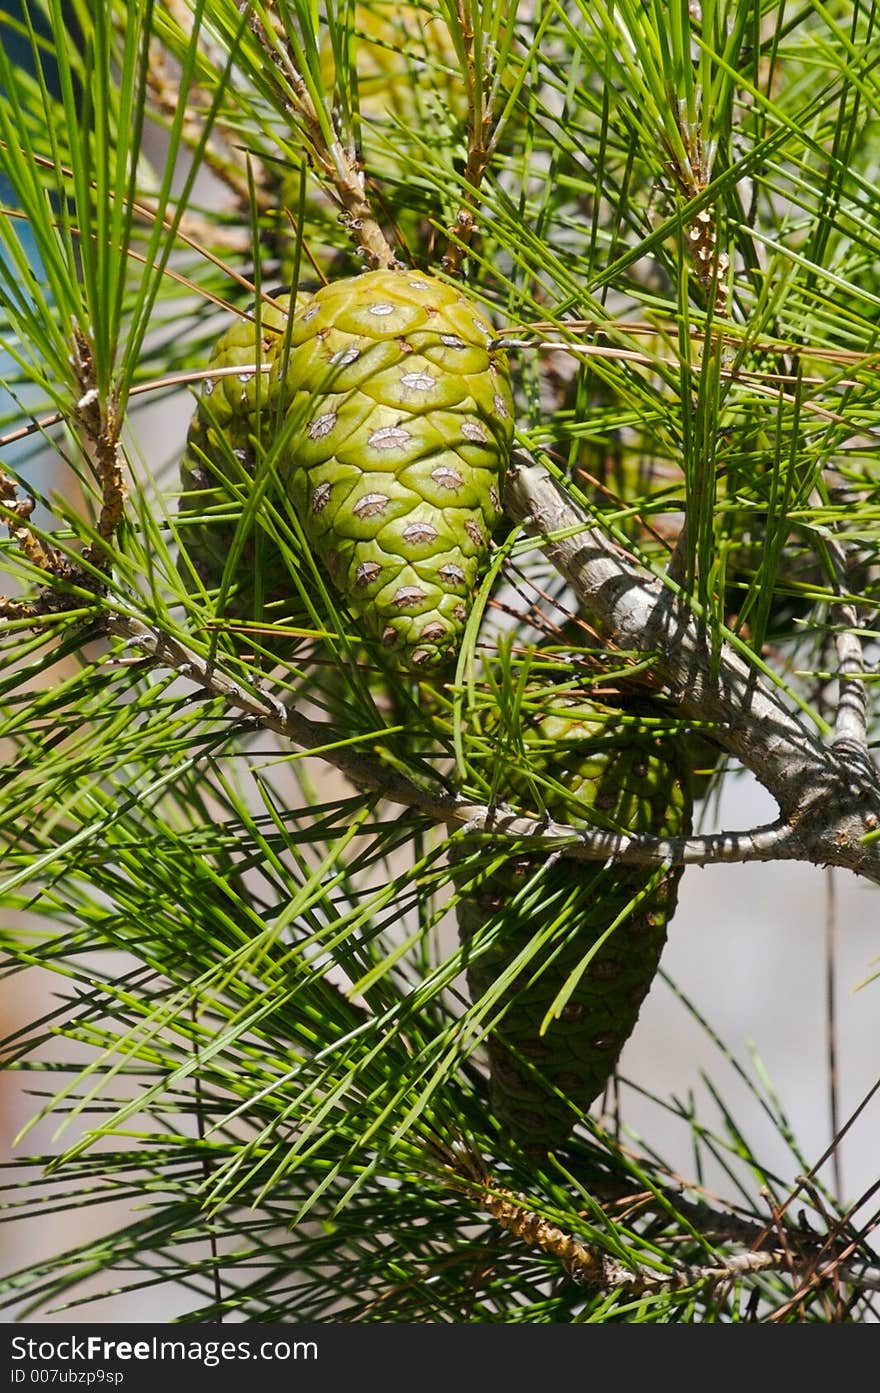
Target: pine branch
{"points": [[337, 166], [587, 1265], [783, 840], [829, 804], [816, 830], [808, 1257], [851, 722]]}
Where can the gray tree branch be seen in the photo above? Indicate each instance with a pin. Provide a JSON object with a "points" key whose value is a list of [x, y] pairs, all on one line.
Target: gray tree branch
{"points": [[825, 840], [850, 732], [828, 794]]}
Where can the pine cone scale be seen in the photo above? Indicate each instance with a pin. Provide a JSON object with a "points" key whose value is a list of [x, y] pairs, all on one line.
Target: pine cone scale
{"points": [[542, 1082]]}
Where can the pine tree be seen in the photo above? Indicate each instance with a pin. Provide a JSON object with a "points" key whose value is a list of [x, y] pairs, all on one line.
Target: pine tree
{"points": [[526, 487]]}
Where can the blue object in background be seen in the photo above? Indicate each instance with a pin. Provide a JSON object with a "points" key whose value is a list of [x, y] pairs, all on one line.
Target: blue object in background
{"points": [[14, 403]]}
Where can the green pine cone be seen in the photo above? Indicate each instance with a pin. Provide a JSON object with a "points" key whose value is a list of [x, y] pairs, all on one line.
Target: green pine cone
{"points": [[218, 468], [398, 431], [617, 775]]}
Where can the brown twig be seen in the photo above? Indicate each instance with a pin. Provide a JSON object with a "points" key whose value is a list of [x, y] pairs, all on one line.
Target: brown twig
{"points": [[692, 176], [587, 1264], [336, 166], [481, 142], [17, 512], [100, 425], [60, 572]]}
